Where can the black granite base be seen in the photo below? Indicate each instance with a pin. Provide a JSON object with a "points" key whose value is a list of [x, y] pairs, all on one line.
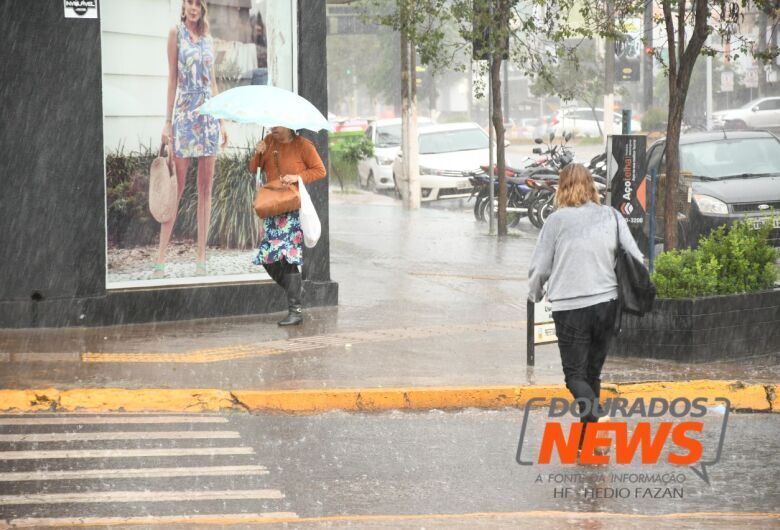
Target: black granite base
{"points": [[135, 306], [704, 329]]}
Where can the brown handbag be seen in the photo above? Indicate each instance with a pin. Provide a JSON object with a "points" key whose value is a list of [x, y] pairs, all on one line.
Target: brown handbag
{"points": [[276, 198]]}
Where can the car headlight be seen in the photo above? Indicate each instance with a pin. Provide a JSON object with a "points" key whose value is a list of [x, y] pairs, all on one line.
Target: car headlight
{"points": [[383, 161], [709, 204]]}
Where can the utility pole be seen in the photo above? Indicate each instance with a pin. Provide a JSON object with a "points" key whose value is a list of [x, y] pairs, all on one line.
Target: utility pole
{"points": [[762, 25], [609, 77], [647, 58], [410, 188]]}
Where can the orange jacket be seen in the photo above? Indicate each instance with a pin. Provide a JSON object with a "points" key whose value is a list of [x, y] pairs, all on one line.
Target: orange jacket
{"points": [[298, 157]]}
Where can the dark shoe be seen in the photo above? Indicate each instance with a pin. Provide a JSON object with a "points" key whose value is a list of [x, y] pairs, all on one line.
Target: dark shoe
{"points": [[293, 286]]}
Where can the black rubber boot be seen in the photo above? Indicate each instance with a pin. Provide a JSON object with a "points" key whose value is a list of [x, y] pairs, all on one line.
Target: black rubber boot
{"points": [[294, 286]]}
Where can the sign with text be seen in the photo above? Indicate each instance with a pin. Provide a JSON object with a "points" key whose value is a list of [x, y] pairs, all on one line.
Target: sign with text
{"points": [[544, 326], [727, 81], [81, 8], [626, 182]]}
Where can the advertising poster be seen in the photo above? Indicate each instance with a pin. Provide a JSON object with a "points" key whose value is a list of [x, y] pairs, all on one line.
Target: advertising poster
{"points": [[248, 42], [626, 178]]}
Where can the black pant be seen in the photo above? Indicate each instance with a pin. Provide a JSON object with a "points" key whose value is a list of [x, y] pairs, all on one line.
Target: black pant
{"points": [[278, 269], [584, 336]]}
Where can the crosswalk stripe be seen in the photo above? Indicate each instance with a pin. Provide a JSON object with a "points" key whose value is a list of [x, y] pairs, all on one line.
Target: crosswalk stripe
{"points": [[124, 453], [134, 435], [143, 472], [100, 420], [216, 519], [138, 496]]}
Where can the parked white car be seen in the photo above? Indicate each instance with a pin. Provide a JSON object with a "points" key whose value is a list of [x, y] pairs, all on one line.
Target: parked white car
{"points": [[761, 113], [580, 122], [449, 155], [376, 172]]}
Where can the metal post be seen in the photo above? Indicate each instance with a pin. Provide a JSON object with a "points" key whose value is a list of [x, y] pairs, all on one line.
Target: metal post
{"points": [[709, 89], [491, 177], [530, 354], [626, 118], [651, 221]]}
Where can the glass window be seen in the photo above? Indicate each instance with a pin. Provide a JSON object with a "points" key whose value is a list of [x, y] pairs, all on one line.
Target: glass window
{"points": [[451, 141], [726, 158], [388, 136]]}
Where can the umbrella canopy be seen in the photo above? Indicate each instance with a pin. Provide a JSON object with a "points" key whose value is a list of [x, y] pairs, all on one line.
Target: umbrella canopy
{"points": [[265, 105]]}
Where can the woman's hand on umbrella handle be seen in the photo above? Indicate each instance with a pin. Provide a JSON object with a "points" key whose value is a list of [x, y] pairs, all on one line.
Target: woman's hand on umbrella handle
{"points": [[260, 148]]}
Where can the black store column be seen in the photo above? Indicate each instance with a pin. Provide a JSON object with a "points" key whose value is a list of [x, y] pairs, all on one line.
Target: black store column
{"points": [[52, 225], [313, 85]]}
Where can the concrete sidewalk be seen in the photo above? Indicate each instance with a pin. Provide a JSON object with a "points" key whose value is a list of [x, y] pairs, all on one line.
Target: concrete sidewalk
{"points": [[427, 299]]}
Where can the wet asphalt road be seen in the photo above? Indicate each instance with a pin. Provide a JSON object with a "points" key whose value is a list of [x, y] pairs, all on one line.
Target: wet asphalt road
{"points": [[443, 467], [435, 267]]}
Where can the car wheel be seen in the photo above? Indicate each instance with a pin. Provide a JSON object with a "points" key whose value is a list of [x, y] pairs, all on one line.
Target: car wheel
{"points": [[371, 183]]}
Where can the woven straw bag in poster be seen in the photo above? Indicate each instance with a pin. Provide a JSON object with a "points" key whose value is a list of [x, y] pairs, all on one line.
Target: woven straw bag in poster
{"points": [[163, 188]]}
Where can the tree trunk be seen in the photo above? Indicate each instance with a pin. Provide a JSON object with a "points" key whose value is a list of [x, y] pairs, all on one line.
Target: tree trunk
{"points": [[671, 185], [682, 59], [498, 126]]}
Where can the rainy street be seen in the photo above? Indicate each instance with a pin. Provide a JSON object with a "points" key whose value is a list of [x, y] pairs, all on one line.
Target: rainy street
{"points": [[424, 469], [390, 264], [339, 470]]}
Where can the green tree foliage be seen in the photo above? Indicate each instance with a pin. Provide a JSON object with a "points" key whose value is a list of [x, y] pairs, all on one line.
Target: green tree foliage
{"points": [[728, 261]]}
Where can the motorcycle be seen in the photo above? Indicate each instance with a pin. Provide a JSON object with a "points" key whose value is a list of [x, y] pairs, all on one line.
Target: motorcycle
{"points": [[520, 195]]}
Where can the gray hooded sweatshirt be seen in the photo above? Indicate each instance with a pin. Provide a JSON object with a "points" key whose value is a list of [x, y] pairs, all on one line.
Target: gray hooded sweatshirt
{"points": [[575, 256]]}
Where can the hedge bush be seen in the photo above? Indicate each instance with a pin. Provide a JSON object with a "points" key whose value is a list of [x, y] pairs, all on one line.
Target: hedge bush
{"points": [[730, 260], [345, 151]]}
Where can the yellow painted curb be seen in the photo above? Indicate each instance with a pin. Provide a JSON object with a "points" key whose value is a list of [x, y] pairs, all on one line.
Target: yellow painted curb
{"points": [[743, 396]]}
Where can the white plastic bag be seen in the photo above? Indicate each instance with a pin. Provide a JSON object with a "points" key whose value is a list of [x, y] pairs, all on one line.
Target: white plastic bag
{"points": [[310, 221]]}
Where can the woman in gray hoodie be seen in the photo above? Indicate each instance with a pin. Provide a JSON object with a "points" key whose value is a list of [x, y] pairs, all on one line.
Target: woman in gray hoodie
{"points": [[575, 257]]}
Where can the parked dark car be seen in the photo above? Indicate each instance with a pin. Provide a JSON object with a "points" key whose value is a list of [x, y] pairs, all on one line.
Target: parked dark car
{"points": [[724, 177]]}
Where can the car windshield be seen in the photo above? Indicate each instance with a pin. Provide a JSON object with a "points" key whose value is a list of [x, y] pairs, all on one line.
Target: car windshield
{"points": [[450, 141], [388, 136], [731, 158]]}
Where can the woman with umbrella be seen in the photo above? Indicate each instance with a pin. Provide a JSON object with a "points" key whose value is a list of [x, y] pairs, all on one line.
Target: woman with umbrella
{"points": [[191, 74], [285, 156]]}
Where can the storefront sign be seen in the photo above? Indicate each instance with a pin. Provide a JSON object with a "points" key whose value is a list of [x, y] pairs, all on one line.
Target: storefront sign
{"points": [[81, 9]]}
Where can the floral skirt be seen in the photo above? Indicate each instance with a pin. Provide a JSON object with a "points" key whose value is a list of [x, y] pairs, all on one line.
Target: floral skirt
{"points": [[282, 240]]}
